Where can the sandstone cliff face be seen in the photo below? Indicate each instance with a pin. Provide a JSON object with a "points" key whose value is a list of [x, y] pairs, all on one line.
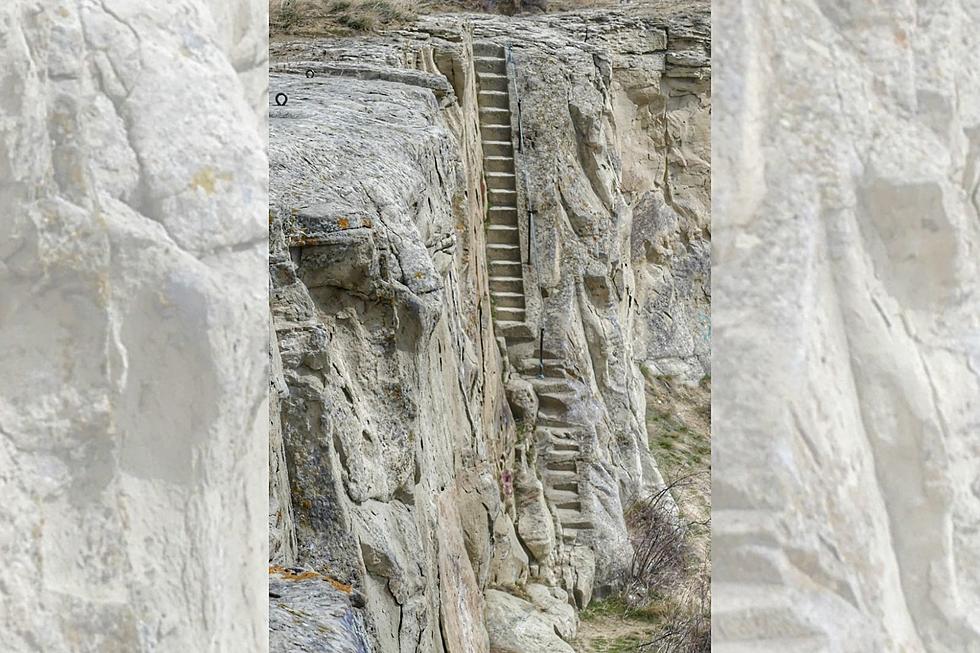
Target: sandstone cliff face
{"points": [[480, 228], [845, 479], [132, 317]]}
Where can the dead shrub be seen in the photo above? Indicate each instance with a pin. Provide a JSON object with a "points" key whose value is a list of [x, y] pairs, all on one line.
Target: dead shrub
{"points": [[659, 549], [666, 571]]}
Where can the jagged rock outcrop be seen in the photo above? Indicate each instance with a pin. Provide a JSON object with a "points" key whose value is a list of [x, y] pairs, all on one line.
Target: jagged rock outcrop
{"points": [[313, 613], [457, 308]]}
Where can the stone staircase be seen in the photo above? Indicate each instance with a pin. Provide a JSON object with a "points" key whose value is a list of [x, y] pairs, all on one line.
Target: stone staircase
{"points": [[557, 437], [503, 234], [560, 452]]}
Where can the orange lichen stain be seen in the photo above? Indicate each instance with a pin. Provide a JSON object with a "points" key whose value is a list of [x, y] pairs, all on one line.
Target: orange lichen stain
{"points": [[343, 223], [288, 574], [367, 223], [292, 575], [64, 13], [901, 38], [419, 275]]}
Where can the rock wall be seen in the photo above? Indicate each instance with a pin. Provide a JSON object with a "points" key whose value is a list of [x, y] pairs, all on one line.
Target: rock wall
{"points": [[132, 322], [461, 442], [846, 320]]}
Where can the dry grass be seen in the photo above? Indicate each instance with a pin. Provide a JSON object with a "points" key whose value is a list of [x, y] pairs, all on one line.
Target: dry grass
{"points": [[666, 605], [309, 18], [319, 17]]}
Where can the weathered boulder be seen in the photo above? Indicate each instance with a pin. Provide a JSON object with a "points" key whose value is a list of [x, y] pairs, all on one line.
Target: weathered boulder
{"points": [[509, 565], [522, 399], [535, 525], [553, 601], [516, 626], [313, 613]]}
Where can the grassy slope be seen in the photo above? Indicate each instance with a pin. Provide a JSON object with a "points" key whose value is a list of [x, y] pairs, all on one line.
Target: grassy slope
{"points": [[679, 425]]}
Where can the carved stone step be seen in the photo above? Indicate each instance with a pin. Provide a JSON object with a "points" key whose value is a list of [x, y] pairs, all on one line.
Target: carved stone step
{"points": [[496, 65], [503, 235], [563, 486], [499, 164], [511, 328], [491, 98], [507, 284], [573, 505], [507, 299], [504, 252], [558, 402], [557, 496], [487, 49], [501, 180], [551, 455], [565, 445], [504, 267], [502, 214], [573, 519], [502, 196], [498, 147], [496, 133], [562, 465], [553, 367], [494, 116], [551, 419], [549, 385], [509, 313], [492, 81], [564, 432]]}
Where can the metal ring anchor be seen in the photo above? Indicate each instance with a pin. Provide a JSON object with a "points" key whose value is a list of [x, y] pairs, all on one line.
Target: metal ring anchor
{"points": [[309, 73], [284, 97]]}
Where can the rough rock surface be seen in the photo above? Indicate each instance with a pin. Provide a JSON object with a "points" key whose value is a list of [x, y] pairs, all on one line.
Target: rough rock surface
{"points": [[462, 442], [847, 328], [312, 613], [132, 326], [517, 626]]}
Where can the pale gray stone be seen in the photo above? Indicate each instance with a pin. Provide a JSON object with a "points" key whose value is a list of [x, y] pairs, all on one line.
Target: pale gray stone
{"points": [[846, 321], [516, 626], [133, 326], [457, 429]]}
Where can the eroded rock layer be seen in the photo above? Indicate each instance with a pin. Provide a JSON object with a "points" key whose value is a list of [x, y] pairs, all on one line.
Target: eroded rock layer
{"points": [[482, 230]]}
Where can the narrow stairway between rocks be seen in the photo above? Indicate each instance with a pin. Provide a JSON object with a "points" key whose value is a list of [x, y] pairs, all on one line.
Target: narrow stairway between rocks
{"points": [[556, 436], [558, 442], [503, 235]]}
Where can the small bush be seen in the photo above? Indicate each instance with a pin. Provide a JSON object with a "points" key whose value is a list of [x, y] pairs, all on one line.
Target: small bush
{"points": [[358, 23], [286, 16], [687, 627], [669, 578], [659, 547]]}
